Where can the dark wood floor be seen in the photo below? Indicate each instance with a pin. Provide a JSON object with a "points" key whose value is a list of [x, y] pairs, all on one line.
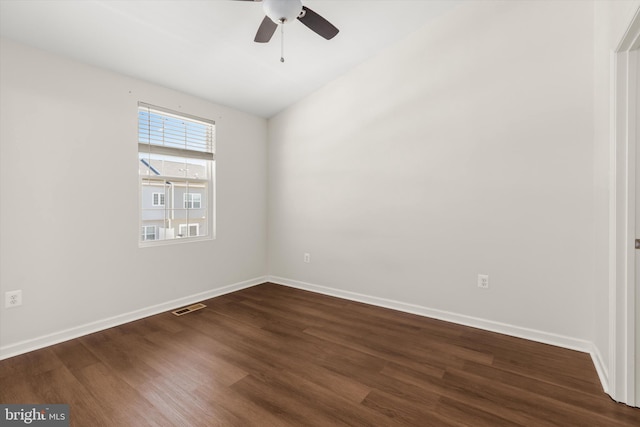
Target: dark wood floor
{"points": [[275, 356]]}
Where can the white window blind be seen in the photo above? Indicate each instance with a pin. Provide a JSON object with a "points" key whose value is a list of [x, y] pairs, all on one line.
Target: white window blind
{"points": [[163, 132]]}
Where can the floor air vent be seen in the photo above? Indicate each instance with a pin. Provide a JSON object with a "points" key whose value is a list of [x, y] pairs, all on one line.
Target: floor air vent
{"points": [[183, 311]]}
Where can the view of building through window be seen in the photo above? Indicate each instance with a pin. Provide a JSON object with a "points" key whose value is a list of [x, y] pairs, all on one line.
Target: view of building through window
{"points": [[175, 166]]}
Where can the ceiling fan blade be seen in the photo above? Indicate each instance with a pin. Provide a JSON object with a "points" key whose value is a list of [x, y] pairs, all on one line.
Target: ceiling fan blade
{"points": [[317, 23], [266, 30]]}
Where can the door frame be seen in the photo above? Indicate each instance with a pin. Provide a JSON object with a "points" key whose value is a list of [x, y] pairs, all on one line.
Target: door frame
{"points": [[623, 229]]}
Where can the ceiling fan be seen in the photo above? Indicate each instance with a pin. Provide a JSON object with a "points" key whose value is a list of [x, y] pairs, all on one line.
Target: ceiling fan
{"points": [[279, 12]]}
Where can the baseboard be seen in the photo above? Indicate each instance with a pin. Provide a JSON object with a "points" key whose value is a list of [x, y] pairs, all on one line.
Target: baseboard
{"points": [[461, 319], [489, 325], [89, 328], [601, 367]]}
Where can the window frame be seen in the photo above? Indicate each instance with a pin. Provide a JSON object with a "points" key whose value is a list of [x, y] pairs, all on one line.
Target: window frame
{"points": [[161, 198], [145, 234], [205, 186], [188, 227], [186, 202]]}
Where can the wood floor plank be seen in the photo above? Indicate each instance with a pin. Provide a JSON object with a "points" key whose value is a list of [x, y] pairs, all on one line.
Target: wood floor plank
{"points": [[591, 405], [452, 409], [518, 405], [473, 396], [276, 356], [60, 386], [543, 368], [122, 404], [248, 412], [283, 403], [403, 355], [19, 389], [407, 413], [32, 363], [74, 355]]}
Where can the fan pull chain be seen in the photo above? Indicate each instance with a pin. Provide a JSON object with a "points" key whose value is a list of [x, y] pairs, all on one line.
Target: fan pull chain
{"points": [[282, 42]]}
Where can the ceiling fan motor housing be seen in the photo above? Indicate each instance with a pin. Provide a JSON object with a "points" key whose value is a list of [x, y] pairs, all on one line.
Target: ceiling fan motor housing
{"points": [[281, 11]]}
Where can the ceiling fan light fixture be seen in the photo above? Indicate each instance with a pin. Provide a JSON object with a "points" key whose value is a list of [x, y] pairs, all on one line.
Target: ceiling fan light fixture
{"points": [[281, 11]]}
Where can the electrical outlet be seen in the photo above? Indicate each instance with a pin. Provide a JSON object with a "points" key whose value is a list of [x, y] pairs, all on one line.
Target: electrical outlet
{"points": [[12, 299], [483, 281], [307, 258]]}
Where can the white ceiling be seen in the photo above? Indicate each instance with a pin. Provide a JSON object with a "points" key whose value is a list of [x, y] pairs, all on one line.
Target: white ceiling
{"points": [[206, 47]]}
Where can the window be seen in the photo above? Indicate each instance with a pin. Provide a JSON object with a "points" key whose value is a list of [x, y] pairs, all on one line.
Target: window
{"points": [[192, 200], [148, 232], [176, 168], [157, 199], [193, 230]]}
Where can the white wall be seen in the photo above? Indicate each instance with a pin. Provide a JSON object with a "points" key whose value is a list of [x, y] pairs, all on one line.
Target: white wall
{"points": [[69, 200], [465, 149]]}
